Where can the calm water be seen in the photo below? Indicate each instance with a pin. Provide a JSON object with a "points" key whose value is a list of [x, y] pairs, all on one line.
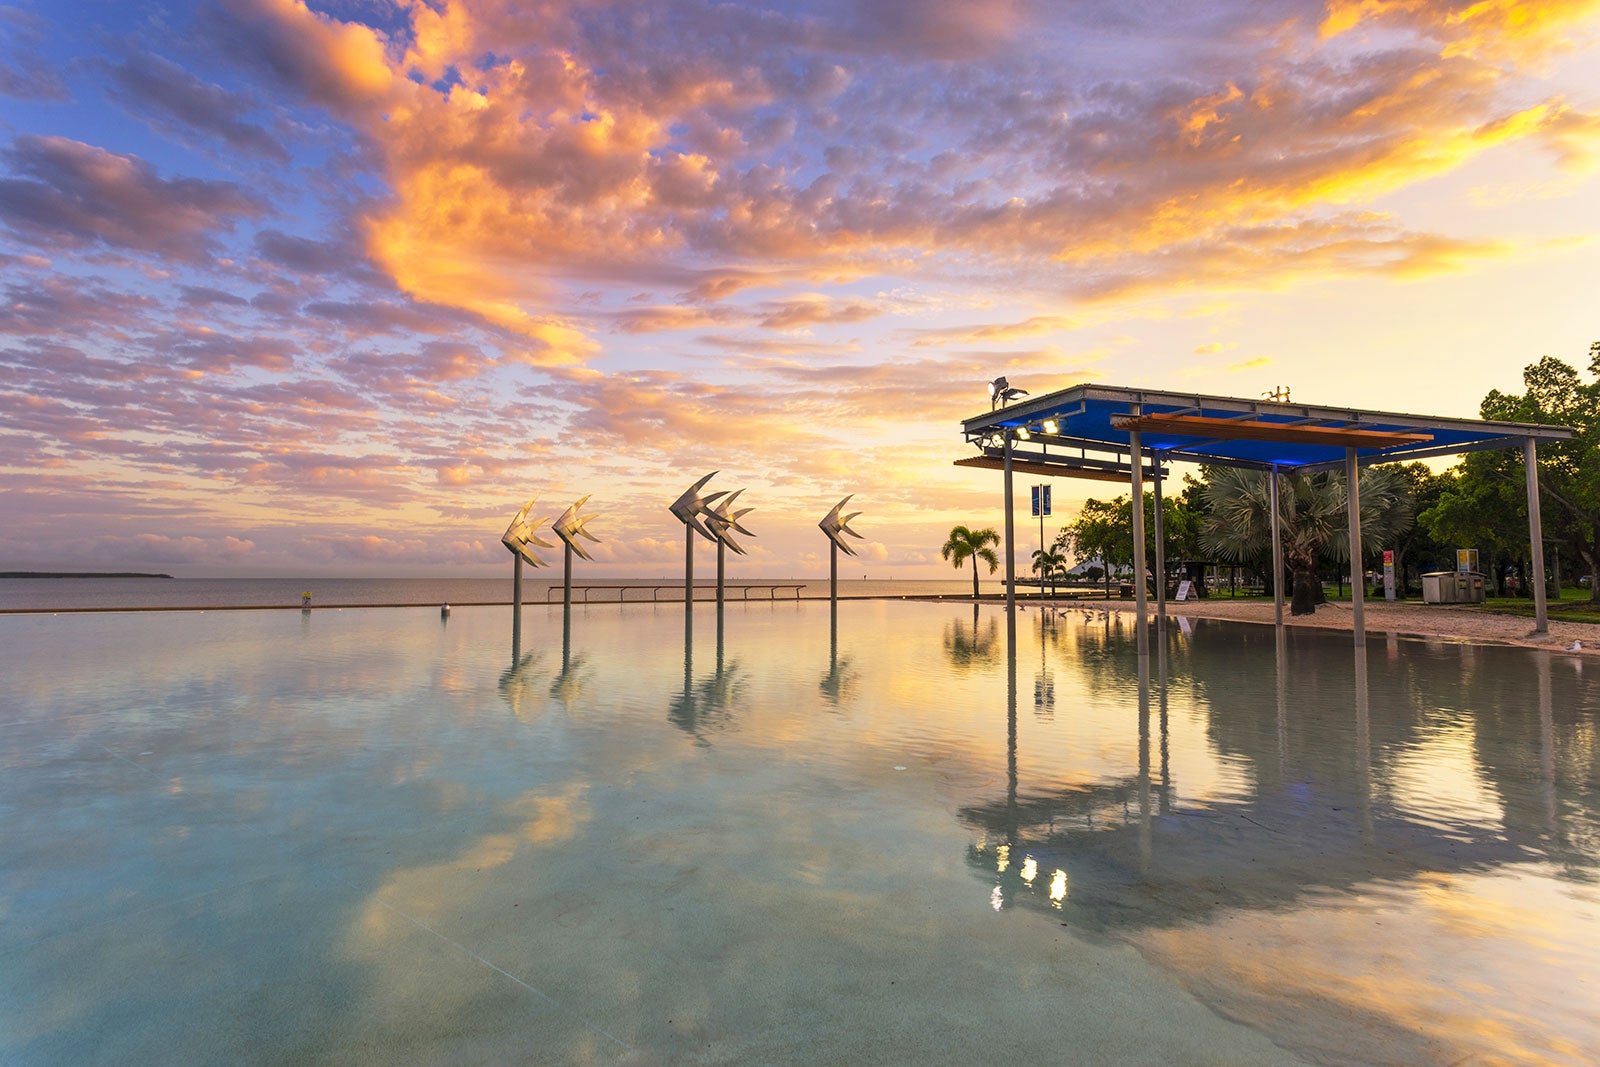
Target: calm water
{"points": [[103, 594], [372, 836]]}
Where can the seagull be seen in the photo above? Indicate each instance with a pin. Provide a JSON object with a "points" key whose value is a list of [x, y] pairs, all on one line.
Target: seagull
{"points": [[691, 504], [569, 527], [723, 520], [1576, 646], [836, 526], [519, 536]]}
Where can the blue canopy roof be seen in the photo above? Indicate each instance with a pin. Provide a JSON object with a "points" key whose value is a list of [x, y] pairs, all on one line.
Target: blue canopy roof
{"points": [[1089, 422]]}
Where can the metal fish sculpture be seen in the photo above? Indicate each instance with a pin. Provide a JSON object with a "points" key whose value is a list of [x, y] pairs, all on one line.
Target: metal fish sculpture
{"points": [[520, 538], [723, 521], [570, 527], [691, 504], [836, 526]]}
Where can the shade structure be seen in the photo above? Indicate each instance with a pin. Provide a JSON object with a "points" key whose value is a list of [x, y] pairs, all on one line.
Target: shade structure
{"points": [[1088, 429]]}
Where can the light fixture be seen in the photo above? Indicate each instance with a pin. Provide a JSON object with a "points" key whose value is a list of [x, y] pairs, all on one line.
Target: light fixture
{"points": [[1051, 426], [1001, 393], [1022, 433]]}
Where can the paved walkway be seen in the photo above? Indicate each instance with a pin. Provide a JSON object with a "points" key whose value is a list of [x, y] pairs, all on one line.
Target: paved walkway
{"points": [[1426, 620]]}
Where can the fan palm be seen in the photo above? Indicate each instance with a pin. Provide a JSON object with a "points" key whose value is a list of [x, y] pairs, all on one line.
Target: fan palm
{"points": [[1312, 515], [965, 544]]}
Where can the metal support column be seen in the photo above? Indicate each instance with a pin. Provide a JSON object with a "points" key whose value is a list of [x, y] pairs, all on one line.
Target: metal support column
{"points": [[688, 568], [516, 610], [1140, 599], [1541, 609], [1161, 542], [1011, 541], [566, 580], [1277, 547], [1358, 585]]}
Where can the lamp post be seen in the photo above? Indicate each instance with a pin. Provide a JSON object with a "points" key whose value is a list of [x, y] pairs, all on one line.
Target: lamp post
{"points": [[570, 527], [688, 508], [519, 538]]}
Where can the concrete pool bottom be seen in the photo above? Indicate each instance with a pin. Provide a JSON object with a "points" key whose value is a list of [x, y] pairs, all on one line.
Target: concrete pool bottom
{"points": [[243, 841]]}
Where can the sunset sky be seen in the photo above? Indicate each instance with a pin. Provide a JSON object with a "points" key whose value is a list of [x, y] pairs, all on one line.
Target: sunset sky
{"points": [[333, 288]]}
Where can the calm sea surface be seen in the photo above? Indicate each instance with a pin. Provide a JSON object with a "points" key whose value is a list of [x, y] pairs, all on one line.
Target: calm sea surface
{"points": [[32, 594], [640, 837]]}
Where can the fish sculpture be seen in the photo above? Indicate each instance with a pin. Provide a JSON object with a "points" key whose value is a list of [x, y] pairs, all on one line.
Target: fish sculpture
{"points": [[836, 526], [570, 527], [722, 520], [520, 538], [689, 507]]}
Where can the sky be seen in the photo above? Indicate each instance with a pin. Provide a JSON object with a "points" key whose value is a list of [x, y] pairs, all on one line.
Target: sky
{"points": [[333, 288]]}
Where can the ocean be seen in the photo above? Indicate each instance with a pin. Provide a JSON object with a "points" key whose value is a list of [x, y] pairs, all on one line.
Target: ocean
{"points": [[137, 594]]}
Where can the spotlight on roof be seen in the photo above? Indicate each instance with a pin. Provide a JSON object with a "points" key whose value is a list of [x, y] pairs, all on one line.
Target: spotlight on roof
{"points": [[1023, 434], [1001, 393], [1050, 426]]}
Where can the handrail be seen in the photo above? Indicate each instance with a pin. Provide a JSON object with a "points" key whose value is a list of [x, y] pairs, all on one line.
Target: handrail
{"points": [[655, 590]]}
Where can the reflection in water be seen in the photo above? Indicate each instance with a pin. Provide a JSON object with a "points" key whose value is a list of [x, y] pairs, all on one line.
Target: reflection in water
{"points": [[705, 706], [971, 646], [517, 687], [568, 684], [838, 684]]}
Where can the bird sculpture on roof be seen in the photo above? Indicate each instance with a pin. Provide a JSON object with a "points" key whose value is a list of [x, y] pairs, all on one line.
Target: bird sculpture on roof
{"points": [[836, 526], [722, 520], [1001, 393], [689, 507], [570, 527], [520, 537]]}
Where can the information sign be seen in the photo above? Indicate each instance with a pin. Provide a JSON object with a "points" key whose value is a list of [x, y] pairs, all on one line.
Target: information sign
{"points": [[1041, 500], [1388, 574]]}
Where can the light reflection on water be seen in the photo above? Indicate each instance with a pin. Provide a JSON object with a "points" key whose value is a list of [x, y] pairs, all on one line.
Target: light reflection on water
{"points": [[660, 824]]}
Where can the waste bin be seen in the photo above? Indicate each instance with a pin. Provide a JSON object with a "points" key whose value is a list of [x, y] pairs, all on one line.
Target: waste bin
{"points": [[1452, 587]]}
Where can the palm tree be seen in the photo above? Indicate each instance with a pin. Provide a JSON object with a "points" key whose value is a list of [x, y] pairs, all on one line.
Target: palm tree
{"points": [[1312, 516], [965, 544], [1050, 565]]}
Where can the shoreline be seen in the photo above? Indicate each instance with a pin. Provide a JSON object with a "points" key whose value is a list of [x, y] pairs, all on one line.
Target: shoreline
{"points": [[1405, 619]]}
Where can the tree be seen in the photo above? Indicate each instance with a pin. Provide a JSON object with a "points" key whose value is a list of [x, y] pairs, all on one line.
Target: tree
{"points": [[1569, 471], [1101, 531], [1312, 515], [965, 544], [1051, 565]]}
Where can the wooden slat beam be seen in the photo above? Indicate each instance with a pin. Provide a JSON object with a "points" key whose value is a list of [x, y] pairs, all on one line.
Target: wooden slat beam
{"points": [[1048, 470], [1255, 430]]}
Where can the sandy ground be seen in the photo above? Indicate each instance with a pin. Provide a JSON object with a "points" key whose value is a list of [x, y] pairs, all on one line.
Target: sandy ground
{"points": [[1426, 620]]}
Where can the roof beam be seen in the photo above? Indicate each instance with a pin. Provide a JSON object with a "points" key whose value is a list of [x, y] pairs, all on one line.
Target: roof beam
{"points": [[1047, 470], [1255, 430]]}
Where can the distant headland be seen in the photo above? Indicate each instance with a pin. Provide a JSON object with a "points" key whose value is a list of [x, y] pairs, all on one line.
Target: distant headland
{"points": [[79, 574]]}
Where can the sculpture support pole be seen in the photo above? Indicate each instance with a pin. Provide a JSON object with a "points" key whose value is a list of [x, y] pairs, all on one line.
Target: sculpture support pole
{"points": [[1358, 590], [688, 567], [1140, 598], [720, 547], [516, 609], [1277, 548], [1541, 610], [566, 580], [833, 576]]}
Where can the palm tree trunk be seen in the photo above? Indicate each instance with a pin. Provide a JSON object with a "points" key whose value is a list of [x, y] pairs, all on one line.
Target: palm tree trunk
{"points": [[1307, 586], [974, 580]]}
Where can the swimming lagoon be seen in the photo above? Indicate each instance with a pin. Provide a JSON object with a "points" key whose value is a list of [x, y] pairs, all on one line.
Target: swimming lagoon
{"points": [[376, 835]]}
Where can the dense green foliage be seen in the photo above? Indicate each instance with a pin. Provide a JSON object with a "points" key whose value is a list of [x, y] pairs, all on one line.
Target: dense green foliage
{"points": [[964, 544]]}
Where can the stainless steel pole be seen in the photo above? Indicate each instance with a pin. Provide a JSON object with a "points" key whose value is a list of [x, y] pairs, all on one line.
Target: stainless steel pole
{"points": [[1140, 598], [1011, 540], [1541, 609], [1161, 543], [1277, 549], [1358, 585]]}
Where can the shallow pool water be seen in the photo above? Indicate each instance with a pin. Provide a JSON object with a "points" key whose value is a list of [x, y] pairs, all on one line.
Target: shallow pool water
{"points": [[376, 836]]}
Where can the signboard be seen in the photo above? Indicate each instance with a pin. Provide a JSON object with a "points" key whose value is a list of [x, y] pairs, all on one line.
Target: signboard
{"points": [[1184, 588], [1388, 574], [1466, 560], [1041, 500]]}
